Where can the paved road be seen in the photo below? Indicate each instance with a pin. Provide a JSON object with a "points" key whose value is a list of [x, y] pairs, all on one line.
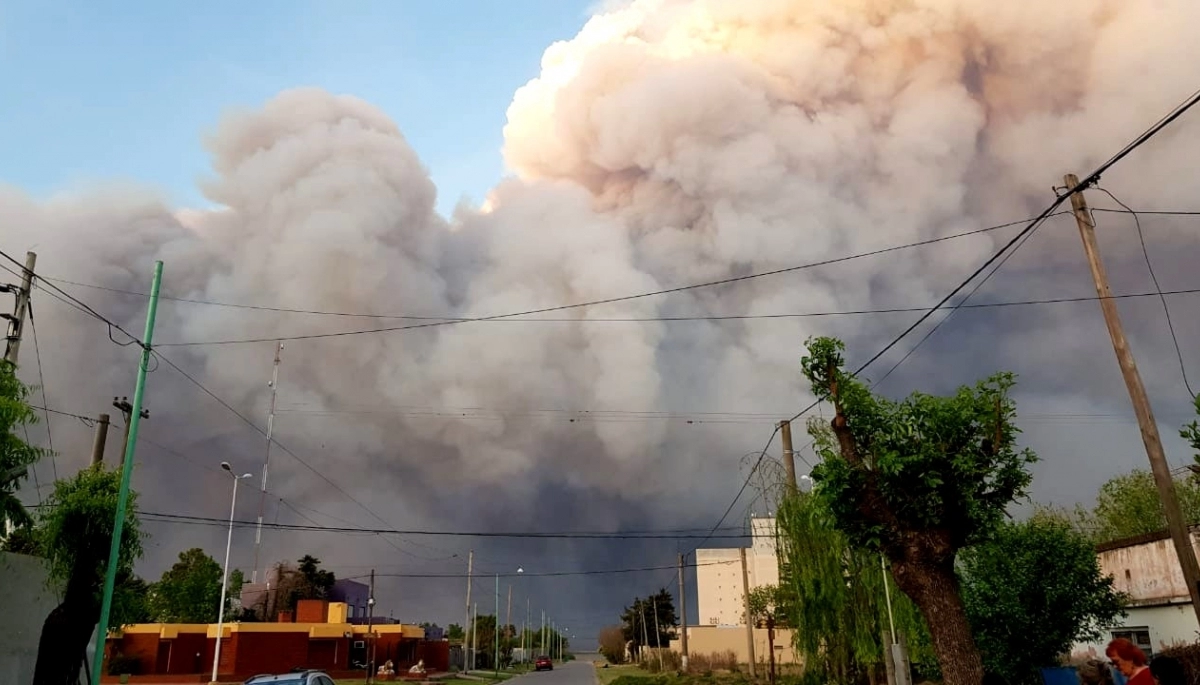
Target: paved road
{"points": [[571, 673]]}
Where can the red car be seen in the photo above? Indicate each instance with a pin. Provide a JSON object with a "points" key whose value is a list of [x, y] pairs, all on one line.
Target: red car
{"points": [[543, 663]]}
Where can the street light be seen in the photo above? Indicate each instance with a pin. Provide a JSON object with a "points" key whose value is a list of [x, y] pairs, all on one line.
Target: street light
{"points": [[225, 575], [524, 653]]}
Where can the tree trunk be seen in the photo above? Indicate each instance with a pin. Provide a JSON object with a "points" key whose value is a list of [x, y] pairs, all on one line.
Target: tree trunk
{"points": [[65, 635], [934, 589]]}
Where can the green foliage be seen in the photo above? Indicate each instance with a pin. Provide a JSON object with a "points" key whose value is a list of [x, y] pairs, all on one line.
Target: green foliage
{"points": [[122, 664], [770, 603], [650, 621], [1129, 505], [833, 596], [455, 632], [1031, 591], [1191, 432], [923, 463], [16, 455], [318, 581], [483, 640], [75, 526], [189, 591], [237, 579], [131, 602], [22, 540], [306, 581], [919, 479]]}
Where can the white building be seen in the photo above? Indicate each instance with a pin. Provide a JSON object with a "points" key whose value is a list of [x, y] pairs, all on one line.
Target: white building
{"points": [[1160, 611], [719, 587]]}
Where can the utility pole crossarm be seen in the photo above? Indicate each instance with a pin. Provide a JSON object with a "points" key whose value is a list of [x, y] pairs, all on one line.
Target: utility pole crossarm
{"points": [[12, 346]]}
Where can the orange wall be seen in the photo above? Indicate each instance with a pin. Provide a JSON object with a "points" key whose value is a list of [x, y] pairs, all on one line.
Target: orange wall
{"points": [[312, 611]]}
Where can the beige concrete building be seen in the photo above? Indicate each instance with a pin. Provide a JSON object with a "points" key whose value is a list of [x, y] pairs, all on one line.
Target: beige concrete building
{"points": [[1160, 611], [719, 587]]}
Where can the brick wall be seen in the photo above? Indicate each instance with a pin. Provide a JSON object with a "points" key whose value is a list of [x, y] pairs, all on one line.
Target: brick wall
{"points": [[264, 653], [311, 611], [184, 651]]}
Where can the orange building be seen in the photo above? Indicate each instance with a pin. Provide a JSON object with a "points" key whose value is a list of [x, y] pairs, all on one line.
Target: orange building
{"points": [[320, 638]]}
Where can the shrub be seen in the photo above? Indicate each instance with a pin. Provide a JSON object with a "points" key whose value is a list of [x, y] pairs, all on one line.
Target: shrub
{"points": [[1189, 656], [120, 664], [661, 660]]}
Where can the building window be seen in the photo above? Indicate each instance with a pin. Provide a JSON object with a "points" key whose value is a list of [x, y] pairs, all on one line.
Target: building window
{"points": [[1138, 636], [350, 611]]}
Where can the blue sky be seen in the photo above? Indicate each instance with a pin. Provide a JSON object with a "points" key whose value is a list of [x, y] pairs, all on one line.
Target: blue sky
{"points": [[96, 91]]}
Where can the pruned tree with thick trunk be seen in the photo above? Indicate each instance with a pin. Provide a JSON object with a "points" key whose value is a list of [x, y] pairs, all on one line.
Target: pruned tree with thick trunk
{"points": [[919, 479], [73, 532]]}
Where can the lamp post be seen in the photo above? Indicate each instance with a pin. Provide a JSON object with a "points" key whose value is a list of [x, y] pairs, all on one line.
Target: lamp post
{"points": [[225, 575], [524, 653]]}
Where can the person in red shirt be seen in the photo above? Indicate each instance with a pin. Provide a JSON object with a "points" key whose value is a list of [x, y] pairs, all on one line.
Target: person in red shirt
{"points": [[1127, 658]]}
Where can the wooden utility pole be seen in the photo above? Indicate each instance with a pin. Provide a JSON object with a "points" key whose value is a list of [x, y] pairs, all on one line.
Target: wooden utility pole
{"points": [[126, 410], [789, 459], [1137, 395], [749, 617], [657, 633], [508, 619], [101, 437], [16, 323], [683, 616]]}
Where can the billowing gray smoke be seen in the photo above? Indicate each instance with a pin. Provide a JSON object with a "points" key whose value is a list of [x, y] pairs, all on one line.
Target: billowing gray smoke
{"points": [[669, 143]]}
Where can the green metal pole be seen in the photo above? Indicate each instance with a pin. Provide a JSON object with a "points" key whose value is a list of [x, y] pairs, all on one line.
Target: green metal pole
{"points": [[114, 550]]}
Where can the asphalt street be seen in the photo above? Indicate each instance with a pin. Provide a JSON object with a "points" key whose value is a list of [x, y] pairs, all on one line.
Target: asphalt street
{"points": [[571, 673]]}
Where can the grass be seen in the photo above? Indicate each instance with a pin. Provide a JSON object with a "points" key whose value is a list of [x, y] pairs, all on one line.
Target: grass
{"points": [[607, 675]]}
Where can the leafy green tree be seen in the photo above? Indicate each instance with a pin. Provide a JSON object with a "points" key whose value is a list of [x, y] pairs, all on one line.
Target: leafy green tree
{"points": [[1191, 432], [306, 581], [74, 530], [455, 632], [131, 603], [650, 621], [834, 598], [919, 479], [317, 582], [768, 604], [189, 591], [1031, 591], [16, 455], [1129, 505], [483, 640]]}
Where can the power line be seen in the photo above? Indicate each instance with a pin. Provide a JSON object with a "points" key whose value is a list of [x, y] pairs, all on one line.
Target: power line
{"points": [[1157, 288], [375, 315], [79, 304], [592, 303], [547, 535], [552, 574], [1017, 239], [1147, 212], [37, 352], [1020, 238]]}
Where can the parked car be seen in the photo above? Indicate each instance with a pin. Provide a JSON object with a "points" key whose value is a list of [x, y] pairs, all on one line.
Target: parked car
{"points": [[297, 677], [543, 663]]}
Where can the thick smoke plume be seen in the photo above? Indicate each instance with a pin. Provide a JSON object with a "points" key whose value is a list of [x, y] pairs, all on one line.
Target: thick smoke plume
{"points": [[668, 143]]}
